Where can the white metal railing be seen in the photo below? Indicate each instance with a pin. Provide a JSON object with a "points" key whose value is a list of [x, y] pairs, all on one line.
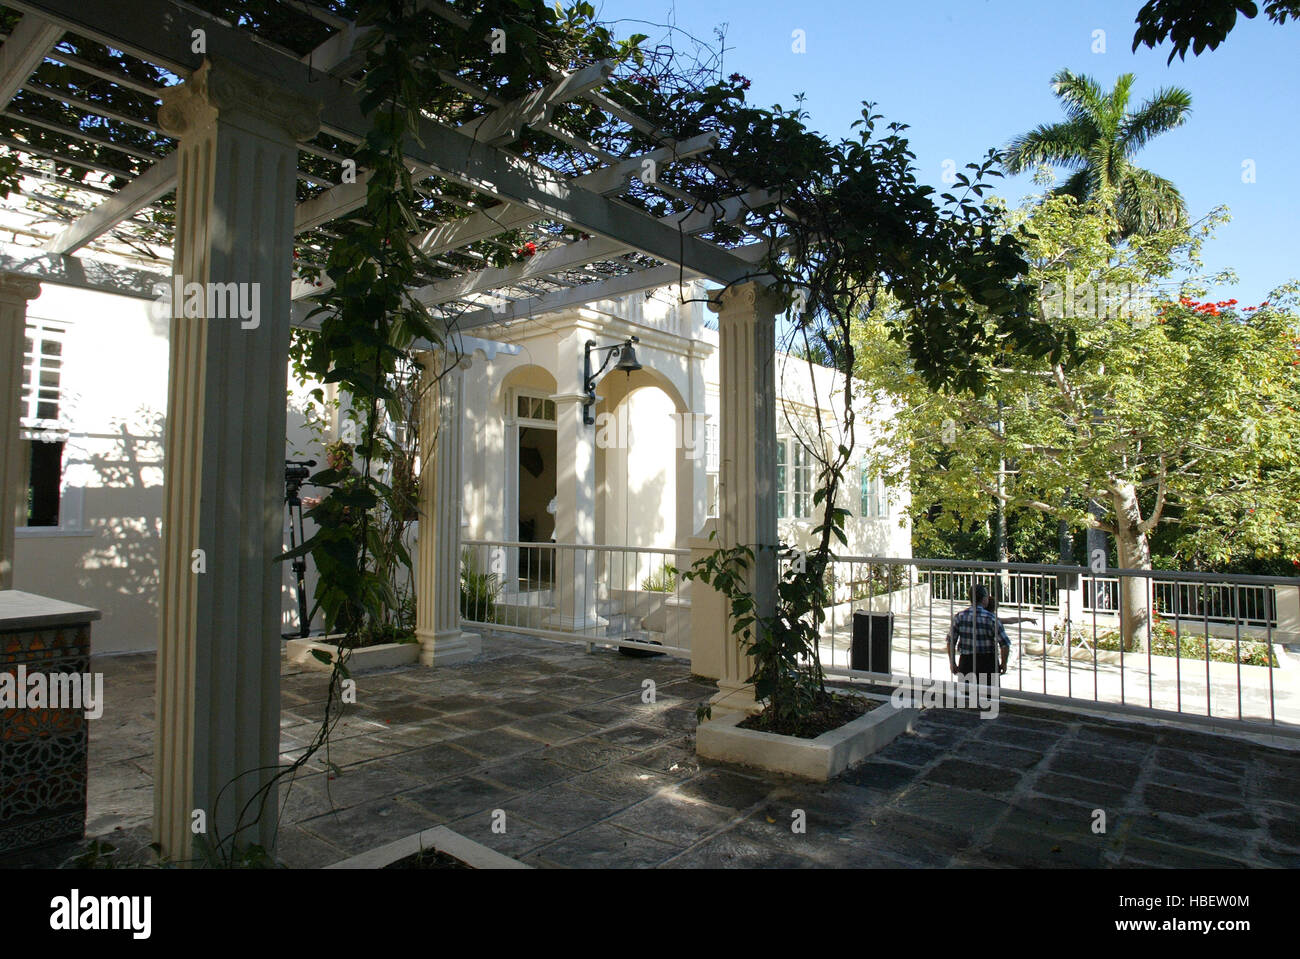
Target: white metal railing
{"points": [[1211, 647], [625, 596], [1250, 604]]}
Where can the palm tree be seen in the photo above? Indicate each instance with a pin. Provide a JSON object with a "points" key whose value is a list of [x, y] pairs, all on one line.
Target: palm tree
{"points": [[1097, 142]]}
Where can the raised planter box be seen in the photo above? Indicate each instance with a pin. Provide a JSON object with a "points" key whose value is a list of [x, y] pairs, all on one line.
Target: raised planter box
{"points": [[818, 759], [471, 853], [383, 656]]}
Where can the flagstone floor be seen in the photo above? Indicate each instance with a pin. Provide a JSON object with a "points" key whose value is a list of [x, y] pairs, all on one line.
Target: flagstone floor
{"points": [[560, 747]]}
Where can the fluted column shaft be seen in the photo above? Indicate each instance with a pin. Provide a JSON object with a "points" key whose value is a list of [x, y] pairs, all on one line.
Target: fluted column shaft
{"points": [[437, 593], [747, 464], [219, 609]]}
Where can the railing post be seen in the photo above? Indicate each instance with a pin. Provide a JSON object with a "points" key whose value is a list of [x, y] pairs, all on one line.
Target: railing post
{"points": [[1288, 614]]}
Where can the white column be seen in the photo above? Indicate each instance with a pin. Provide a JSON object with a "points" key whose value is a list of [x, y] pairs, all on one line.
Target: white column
{"points": [[15, 291], [576, 571], [692, 477], [747, 470], [219, 643], [437, 594]]}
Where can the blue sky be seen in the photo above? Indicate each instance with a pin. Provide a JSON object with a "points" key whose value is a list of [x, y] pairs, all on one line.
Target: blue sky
{"points": [[968, 75]]}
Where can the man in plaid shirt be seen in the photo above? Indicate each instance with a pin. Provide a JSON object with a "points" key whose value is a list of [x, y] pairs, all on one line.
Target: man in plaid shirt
{"points": [[975, 636]]}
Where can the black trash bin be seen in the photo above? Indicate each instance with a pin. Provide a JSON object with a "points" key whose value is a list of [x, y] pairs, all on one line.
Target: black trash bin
{"points": [[872, 635]]}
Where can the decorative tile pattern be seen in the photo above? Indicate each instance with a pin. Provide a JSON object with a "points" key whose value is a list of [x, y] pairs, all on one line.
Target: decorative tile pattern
{"points": [[42, 751]]}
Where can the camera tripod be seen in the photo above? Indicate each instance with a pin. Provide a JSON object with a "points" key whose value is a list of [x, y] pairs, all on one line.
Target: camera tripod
{"points": [[295, 474]]}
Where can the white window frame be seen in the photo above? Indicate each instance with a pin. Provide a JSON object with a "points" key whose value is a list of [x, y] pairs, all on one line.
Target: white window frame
{"points": [[802, 479], [874, 496], [31, 424], [537, 401]]}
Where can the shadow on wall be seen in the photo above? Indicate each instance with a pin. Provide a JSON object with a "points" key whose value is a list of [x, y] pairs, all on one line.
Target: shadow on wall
{"points": [[117, 573]]}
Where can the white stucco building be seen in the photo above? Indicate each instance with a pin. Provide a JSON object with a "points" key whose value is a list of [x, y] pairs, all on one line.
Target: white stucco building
{"points": [[94, 440]]}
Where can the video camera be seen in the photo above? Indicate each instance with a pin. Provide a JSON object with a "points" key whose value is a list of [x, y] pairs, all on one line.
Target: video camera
{"points": [[295, 474]]}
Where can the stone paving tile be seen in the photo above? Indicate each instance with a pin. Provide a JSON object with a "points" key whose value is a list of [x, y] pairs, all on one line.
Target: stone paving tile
{"points": [[1034, 849], [1147, 854], [370, 824], [1087, 791], [959, 808], [526, 773], [636, 736], [912, 750], [562, 808], [673, 819], [497, 744], [603, 846], [433, 762], [599, 715], [832, 806], [724, 788], [974, 775], [317, 791], [993, 732], [1191, 833], [457, 798], [1161, 798], [741, 847], [999, 754], [675, 759], [1099, 767], [880, 776], [553, 730], [621, 781], [303, 850], [519, 838], [586, 754], [909, 839], [1032, 811], [480, 719], [539, 705]]}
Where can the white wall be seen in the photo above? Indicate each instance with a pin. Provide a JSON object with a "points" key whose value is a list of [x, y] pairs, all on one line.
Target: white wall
{"points": [[114, 402]]}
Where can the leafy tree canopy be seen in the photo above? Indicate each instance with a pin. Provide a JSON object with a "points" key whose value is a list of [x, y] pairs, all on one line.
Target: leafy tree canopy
{"points": [[1198, 24], [1178, 413]]}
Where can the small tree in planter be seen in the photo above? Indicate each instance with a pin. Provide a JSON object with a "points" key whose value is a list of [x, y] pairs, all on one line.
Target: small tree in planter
{"points": [[855, 227]]}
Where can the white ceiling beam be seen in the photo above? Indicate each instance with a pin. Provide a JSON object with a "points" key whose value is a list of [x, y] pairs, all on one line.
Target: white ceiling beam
{"points": [[22, 53], [144, 190], [580, 253], [506, 216], [506, 124], [612, 289], [160, 179]]}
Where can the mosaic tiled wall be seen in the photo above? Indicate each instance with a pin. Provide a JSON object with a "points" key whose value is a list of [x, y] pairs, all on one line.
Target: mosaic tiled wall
{"points": [[43, 751]]}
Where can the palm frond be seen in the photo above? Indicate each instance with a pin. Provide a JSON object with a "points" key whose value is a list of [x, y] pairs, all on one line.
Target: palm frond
{"points": [[1165, 111], [1059, 144], [1148, 202], [1081, 96]]}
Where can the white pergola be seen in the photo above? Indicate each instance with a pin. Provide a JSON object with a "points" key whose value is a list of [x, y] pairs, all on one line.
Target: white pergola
{"points": [[238, 143]]}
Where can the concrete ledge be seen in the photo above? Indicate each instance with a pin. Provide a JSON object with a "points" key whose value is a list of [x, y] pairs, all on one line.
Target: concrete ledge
{"points": [[817, 759], [383, 656], [471, 853]]}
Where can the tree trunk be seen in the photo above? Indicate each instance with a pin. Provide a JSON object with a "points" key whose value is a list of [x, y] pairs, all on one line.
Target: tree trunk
{"points": [[1134, 553]]}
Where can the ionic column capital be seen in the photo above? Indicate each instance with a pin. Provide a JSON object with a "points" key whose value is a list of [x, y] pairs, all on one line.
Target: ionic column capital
{"points": [[19, 286], [219, 88], [749, 298]]}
